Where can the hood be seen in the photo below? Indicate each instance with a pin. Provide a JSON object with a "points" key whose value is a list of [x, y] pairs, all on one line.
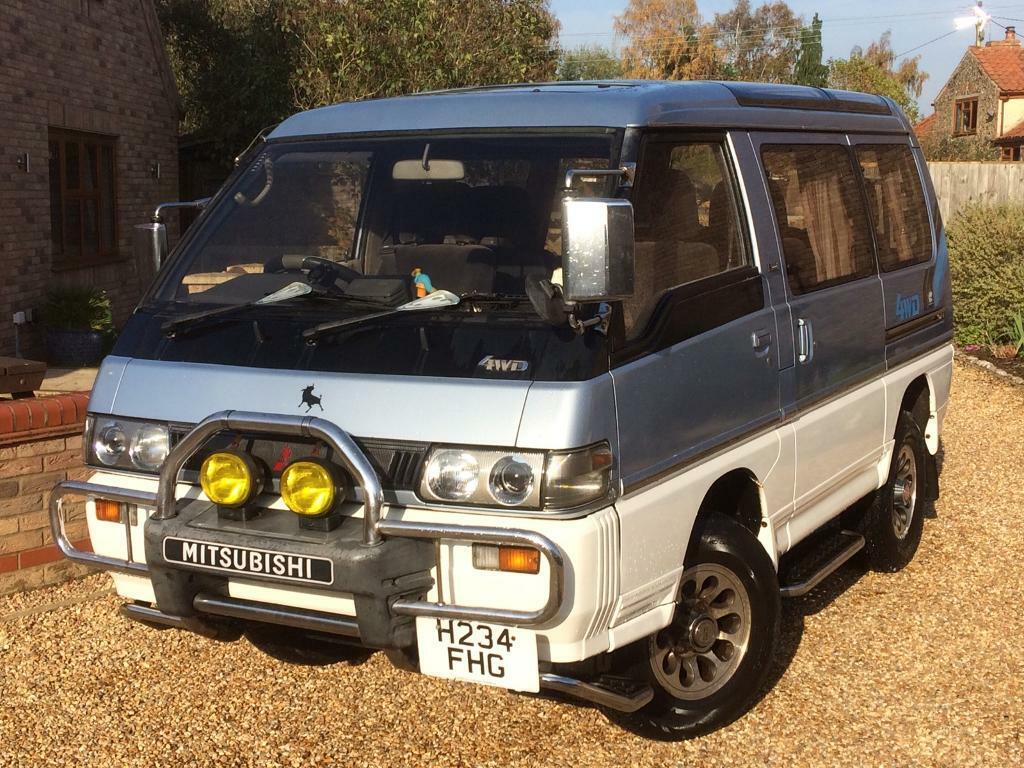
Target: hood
{"points": [[418, 408]]}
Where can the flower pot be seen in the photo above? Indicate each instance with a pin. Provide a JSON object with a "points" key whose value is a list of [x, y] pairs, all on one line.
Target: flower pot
{"points": [[74, 349]]}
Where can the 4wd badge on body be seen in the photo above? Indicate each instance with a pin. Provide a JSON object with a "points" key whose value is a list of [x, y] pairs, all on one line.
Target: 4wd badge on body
{"points": [[500, 365]]}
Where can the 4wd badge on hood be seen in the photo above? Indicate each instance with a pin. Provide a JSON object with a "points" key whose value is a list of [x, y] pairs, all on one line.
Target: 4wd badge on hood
{"points": [[501, 365]]}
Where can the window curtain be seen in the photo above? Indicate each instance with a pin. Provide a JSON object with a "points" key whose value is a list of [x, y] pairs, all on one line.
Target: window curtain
{"points": [[829, 228]]}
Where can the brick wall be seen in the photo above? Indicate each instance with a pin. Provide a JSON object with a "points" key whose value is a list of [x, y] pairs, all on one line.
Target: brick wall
{"points": [[32, 461], [86, 65]]}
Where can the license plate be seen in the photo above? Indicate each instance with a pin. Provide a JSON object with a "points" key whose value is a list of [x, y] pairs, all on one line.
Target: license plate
{"points": [[478, 653], [248, 560]]}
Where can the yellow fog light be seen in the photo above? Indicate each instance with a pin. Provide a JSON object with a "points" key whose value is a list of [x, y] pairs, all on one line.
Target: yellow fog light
{"points": [[230, 478], [309, 487]]}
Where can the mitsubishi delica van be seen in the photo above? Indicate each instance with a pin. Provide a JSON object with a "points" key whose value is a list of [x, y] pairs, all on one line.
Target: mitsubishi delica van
{"points": [[560, 388]]}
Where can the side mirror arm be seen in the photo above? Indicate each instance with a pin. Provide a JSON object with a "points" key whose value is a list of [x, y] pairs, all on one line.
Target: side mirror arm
{"points": [[184, 204]]}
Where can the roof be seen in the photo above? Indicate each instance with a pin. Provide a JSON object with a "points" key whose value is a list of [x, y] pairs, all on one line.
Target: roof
{"points": [[1013, 136], [925, 125], [607, 104], [1004, 63]]}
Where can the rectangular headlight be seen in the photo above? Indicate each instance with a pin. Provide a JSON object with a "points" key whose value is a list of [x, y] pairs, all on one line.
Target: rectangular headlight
{"points": [[128, 444], [526, 480]]}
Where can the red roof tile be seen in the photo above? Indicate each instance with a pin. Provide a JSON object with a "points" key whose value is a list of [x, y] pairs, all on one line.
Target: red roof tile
{"points": [[1004, 63], [925, 125], [1015, 134]]}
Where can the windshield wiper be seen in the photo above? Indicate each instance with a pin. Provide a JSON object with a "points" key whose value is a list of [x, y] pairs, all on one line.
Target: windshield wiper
{"points": [[291, 291], [431, 302]]}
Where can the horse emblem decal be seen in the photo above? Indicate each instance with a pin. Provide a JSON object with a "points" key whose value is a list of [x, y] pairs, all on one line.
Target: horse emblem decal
{"points": [[309, 399]]}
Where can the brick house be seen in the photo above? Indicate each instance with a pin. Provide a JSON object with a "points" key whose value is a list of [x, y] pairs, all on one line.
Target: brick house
{"points": [[982, 102], [88, 146]]}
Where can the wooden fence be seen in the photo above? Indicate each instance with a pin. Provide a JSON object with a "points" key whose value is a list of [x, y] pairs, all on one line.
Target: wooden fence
{"points": [[960, 183]]}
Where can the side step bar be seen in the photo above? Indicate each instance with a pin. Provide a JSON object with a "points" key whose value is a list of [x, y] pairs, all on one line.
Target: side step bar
{"points": [[854, 544], [596, 693]]}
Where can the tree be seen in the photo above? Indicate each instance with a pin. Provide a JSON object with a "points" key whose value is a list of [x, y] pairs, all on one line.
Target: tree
{"points": [[244, 64], [809, 69], [589, 62], [667, 40], [908, 74], [858, 74], [760, 45]]}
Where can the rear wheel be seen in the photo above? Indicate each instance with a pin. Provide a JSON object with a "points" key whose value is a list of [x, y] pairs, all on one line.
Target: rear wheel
{"points": [[707, 667], [893, 522]]}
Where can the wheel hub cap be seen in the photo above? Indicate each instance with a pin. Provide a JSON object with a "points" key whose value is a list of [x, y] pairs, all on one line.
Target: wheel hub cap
{"points": [[904, 491], [701, 649]]}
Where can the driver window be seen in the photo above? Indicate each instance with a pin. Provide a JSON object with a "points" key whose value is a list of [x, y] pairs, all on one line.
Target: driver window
{"points": [[686, 223]]}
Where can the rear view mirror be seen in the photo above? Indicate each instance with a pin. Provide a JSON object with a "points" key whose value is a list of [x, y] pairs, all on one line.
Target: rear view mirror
{"points": [[428, 170], [597, 249]]}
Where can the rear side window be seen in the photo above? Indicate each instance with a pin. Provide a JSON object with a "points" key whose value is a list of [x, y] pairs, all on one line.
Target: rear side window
{"points": [[896, 204], [819, 209], [686, 220]]}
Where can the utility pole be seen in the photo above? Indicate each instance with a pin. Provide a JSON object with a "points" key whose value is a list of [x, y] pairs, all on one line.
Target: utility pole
{"points": [[979, 26]]}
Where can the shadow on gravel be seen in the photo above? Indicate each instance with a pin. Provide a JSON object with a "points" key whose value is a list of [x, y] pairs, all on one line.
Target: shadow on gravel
{"points": [[795, 610]]}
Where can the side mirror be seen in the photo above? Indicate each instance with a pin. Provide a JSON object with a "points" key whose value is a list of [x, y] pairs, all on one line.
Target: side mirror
{"points": [[150, 244], [151, 238], [597, 249]]}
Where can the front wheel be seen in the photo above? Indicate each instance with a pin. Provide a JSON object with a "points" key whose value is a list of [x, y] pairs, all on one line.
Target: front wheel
{"points": [[707, 667]]}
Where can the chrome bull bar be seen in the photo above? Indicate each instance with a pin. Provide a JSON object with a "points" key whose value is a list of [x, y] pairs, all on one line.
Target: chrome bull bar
{"points": [[375, 528]]}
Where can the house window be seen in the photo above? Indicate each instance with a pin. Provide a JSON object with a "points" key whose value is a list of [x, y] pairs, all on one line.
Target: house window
{"points": [[1011, 153], [966, 118], [83, 205]]}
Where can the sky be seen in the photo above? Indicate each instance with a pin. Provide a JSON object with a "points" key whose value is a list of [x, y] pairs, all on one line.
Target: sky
{"points": [[845, 24]]}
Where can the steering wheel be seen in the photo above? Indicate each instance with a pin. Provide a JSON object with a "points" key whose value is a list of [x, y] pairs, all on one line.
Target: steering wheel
{"points": [[321, 272]]}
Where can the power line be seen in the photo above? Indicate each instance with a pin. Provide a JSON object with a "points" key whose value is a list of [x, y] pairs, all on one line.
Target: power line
{"points": [[922, 45]]}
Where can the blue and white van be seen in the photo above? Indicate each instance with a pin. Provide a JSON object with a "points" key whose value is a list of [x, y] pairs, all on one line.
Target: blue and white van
{"points": [[551, 387]]}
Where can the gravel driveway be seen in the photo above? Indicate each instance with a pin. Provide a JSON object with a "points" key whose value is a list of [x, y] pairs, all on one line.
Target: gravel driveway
{"points": [[923, 667]]}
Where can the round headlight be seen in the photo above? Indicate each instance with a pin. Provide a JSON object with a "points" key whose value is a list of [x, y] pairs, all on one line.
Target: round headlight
{"points": [[229, 479], [308, 488], [452, 475], [511, 481], [110, 444], [149, 447]]}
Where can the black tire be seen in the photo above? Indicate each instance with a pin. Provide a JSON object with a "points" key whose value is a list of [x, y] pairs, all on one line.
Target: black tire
{"points": [[891, 525], [721, 543], [295, 646]]}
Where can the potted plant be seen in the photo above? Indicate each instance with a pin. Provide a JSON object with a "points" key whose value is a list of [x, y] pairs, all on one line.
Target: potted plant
{"points": [[77, 323]]}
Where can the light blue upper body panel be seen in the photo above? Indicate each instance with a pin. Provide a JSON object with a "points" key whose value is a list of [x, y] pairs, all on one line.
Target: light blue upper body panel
{"points": [[611, 104]]}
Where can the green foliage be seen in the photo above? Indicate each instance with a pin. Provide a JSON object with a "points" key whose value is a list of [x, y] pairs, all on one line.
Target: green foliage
{"points": [[78, 309], [860, 74], [349, 50], [231, 63], [589, 62], [986, 261], [937, 146], [244, 64], [1014, 333], [809, 68]]}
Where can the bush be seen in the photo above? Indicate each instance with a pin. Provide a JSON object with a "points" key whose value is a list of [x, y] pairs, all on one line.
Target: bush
{"points": [[986, 263], [78, 309]]}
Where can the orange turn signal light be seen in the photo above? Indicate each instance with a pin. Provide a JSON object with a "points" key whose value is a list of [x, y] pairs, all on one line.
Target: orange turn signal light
{"points": [[490, 557], [518, 559], [108, 511]]}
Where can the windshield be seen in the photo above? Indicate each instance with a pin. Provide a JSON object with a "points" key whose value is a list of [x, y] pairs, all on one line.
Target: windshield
{"points": [[470, 215]]}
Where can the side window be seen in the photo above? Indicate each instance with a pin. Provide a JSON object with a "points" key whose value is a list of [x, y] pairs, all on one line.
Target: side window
{"points": [[686, 221], [896, 205], [820, 214]]}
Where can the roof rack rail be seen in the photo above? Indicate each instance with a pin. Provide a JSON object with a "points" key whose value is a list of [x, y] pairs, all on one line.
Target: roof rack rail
{"points": [[805, 97]]}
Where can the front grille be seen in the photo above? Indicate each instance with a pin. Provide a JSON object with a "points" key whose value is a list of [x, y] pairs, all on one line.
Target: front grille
{"points": [[397, 463]]}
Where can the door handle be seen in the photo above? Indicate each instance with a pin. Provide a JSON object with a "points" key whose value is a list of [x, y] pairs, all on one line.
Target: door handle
{"points": [[761, 341], [805, 340]]}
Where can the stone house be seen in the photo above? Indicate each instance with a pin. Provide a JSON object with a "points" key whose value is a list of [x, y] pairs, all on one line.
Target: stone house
{"points": [[89, 118], [982, 102]]}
